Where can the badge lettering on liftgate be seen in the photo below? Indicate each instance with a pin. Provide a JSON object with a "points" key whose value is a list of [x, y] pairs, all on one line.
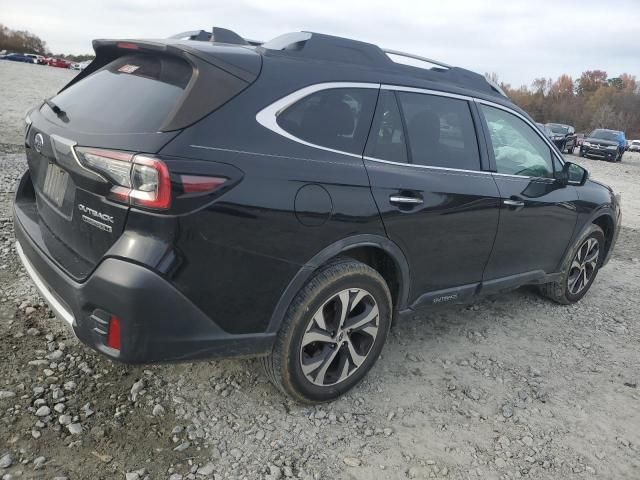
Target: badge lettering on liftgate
{"points": [[90, 215]]}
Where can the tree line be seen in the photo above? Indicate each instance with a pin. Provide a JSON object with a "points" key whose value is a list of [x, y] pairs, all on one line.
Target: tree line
{"points": [[594, 100], [22, 41]]}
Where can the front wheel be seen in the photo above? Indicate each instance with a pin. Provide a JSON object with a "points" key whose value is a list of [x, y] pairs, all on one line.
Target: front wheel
{"points": [[332, 333], [578, 274]]}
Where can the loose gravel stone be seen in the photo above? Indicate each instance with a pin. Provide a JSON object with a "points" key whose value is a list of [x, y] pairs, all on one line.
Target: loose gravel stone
{"points": [[6, 460], [206, 470], [43, 411], [158, 411], [74, 429], [352, 461]]}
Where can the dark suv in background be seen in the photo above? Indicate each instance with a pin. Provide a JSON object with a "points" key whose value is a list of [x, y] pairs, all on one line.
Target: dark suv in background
{"points": [[604, 144], [211, 197], [564, 136]]}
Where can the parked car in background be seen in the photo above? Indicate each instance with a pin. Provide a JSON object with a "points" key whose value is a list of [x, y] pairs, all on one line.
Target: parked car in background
{"points": [[138, 215], [544, 129], [37, 59], [58, 62], [604, 144], [564, 136], [634, 146], [18, 57], [80, 65]]}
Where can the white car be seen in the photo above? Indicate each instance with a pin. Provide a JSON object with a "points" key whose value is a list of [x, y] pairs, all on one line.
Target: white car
{"points": [[80, 65], [634, 146], [37, 59]]}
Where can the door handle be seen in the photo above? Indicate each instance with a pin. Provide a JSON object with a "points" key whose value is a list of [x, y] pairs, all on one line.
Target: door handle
{"points": [[399, 200], [513, 203]]}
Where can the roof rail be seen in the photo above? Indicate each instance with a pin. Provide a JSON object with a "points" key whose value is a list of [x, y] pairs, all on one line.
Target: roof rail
{"points": [[496, 87], [416, 57], [327, 47]]}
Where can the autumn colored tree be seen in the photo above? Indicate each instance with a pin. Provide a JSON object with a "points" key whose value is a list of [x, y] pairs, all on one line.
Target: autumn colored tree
{"points": [[592, 101], [590, 81]]}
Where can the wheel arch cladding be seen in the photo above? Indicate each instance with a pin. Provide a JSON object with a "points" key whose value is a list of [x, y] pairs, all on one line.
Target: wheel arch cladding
{"points": [[378, 252], [607, 224]]}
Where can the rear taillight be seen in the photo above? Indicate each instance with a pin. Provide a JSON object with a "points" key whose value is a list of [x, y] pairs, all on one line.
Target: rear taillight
{"points": [[140, 179]]}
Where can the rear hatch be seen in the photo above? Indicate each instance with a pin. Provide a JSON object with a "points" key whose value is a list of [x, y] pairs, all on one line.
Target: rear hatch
{"points": [[82, 144]]}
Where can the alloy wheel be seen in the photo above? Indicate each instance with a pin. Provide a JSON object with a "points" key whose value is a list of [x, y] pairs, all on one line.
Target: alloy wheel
{"points": [[583, 266], [339, 337]]}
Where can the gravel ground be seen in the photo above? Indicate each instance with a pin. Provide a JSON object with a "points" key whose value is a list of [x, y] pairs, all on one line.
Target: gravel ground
{"points": [[510, 387]]}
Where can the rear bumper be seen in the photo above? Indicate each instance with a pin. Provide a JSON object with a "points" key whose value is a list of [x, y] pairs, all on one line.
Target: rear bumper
{"points": [[157, 322]]}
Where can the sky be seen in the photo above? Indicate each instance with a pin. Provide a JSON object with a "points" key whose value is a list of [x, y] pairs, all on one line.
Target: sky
{"points": [[519, 40]]}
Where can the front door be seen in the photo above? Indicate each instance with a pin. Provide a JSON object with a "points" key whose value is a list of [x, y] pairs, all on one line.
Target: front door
{"points": [[437, 204], [537, 214]]}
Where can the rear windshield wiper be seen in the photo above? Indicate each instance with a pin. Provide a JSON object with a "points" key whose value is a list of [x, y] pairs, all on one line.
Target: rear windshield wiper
{"points": [[56, 109]]}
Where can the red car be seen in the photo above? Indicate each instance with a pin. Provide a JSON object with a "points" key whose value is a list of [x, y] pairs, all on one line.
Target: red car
{"points": [[58, 62]]}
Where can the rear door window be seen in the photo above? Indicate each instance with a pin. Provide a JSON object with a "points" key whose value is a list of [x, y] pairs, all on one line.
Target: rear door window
{"points": [[337, 118], [132, 94], [440, 131], [386, 140]]}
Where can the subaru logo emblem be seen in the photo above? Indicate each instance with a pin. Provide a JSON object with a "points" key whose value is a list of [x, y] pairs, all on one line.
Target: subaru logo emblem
{"points": [[38, 142]]}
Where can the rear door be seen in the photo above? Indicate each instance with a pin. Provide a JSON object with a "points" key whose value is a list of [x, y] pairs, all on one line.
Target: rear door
{"points": [[437, 203], [537, 214]]}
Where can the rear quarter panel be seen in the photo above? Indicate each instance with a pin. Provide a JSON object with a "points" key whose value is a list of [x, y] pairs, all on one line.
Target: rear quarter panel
{"points": [[238, 255]]}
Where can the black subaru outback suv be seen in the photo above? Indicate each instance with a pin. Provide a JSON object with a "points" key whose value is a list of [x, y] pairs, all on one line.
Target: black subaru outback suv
{"points": [[201, 198]]}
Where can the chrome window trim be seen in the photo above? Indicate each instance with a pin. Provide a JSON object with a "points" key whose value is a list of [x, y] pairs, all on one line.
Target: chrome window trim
{"points": [[425, 91], [446, 169], [267, 117]]}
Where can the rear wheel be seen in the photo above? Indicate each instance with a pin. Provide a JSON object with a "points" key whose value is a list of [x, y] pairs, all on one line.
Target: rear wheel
{"points": [[581, 271], [332, 334]]}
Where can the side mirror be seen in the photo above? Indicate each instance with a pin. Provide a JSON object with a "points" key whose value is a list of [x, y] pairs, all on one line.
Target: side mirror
{"points": [[572, 174]]}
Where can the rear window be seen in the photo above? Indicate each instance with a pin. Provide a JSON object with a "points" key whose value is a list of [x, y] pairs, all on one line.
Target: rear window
{"points": [[132, 94], [337, 118]]}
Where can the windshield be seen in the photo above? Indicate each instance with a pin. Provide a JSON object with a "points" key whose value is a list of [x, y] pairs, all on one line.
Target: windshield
{"points": [[605, 135], [555, 128]]}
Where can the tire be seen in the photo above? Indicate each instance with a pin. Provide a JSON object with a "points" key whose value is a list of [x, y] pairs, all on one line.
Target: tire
{"points": [[564, 290], [291, 366], [581, 153]]}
